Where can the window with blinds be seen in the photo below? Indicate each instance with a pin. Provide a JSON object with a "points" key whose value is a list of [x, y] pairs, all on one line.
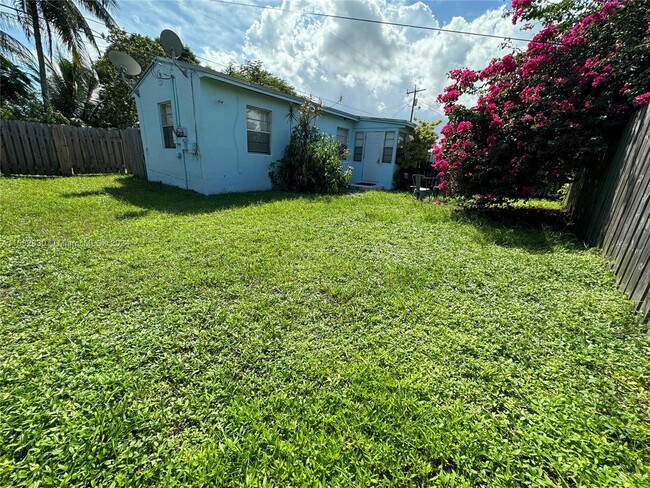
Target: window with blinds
{"points": [[258, 130], [167, 124]]}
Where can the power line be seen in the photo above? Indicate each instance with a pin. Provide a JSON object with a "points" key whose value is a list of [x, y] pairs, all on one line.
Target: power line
{"points": [[400, 110], [102, 37], [373, 21], [302, 93]]}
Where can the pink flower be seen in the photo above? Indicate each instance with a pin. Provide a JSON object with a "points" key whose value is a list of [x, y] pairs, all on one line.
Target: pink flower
{"points": [[450, 96], [599, 79], [531, 94], [527, 119], [532, 65], [491, 141], [643, 99], [574, 40], [496, 122], [441, 166], [508, 63], [610, 5], [540, 120], [448, 130], [546, 34], [509, 105], [521, 3], [464, 77], [505, 65], [519, 7], [565, 106], [464, 126], [625, 88]]}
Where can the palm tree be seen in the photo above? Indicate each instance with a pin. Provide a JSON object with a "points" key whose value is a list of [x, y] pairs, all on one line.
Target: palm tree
{"points": [[12, 49], [72, 87], [45, 21]]}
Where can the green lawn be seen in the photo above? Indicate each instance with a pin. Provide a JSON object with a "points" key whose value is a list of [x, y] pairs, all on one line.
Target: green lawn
{"points": [[152, 336]]}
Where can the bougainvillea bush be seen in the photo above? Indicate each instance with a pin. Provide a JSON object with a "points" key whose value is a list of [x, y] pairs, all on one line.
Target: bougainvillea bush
{"points": [[548, 111]]}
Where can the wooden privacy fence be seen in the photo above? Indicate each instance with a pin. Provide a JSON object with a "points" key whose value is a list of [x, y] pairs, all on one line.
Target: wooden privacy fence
{"points": [[611, 207], [28, 148]]}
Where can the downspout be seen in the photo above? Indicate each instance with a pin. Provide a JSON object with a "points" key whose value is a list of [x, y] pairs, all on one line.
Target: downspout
{"points": [[178, 124], [196, 130]]}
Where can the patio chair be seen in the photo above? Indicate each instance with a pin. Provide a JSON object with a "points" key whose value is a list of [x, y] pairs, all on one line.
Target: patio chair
{"points": [[419, 188]]}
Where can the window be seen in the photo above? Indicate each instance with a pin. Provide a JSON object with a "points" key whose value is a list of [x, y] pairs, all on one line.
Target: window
{"points": [[358, 146], [402, 140], [343, 138], [167, 123], [258, 130], [389, 142]]}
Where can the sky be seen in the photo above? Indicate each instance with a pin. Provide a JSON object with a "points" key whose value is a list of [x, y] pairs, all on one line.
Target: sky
{"points": [[370, 66]]}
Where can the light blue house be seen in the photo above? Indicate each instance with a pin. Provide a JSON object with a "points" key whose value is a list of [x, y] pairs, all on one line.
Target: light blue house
{"points": [[212, 133]]}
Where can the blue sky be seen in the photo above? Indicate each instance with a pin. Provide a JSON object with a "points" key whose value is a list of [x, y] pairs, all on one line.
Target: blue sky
{"points": [[371, 66]]}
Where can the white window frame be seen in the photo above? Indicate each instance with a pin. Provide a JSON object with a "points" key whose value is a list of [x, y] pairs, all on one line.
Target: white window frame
{"points": [[166, 122], [343, 138], [255, 133], [389, 135], [359, 138]]}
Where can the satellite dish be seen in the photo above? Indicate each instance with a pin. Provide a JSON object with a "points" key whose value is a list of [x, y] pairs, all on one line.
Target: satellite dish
{"points": [[124, 63], [171, 43]]}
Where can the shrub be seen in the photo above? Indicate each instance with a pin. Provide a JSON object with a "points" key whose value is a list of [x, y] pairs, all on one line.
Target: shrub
{"points": [[417, 150], [311, 162], [413, 156], [546, 113]]}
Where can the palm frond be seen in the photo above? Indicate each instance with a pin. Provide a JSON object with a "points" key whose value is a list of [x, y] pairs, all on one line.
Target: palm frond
{"points": [[15, 51]]}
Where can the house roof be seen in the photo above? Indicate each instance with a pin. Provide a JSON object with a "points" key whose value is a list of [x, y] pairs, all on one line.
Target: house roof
{"points": [[210, 73]]}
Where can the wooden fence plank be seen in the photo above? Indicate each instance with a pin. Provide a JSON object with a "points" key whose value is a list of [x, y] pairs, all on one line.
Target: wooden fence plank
{"points": [[9, 154], [638, 276], [626, 184], [623, 236], [61, 149], [78, 160], [31, 148], [26, 163], [103, 147], [612, 209], [639, 209]]}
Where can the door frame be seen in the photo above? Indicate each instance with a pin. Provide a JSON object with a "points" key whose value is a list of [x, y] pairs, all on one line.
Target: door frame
{"points": [[366, 156]]}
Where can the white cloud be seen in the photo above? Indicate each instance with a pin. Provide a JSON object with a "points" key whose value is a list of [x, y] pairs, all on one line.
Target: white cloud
{"points": [[219, 59], [349, 80], [373, 65], [370, 65]]}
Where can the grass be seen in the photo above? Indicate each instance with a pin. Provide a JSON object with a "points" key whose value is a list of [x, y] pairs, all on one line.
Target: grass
{"points": [[152, 336]]}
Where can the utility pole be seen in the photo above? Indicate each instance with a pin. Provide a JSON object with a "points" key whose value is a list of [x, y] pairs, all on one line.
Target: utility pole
{"points": [[414, 92]]}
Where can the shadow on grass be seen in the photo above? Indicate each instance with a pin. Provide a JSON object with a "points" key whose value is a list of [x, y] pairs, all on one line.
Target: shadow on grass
{"points": [[168, 199], [534, 229]]}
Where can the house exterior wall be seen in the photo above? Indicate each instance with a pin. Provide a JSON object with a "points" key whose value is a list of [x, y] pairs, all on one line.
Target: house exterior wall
{"points": [[211, 156], [182, 165], [387, 170], [225, 150]]}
